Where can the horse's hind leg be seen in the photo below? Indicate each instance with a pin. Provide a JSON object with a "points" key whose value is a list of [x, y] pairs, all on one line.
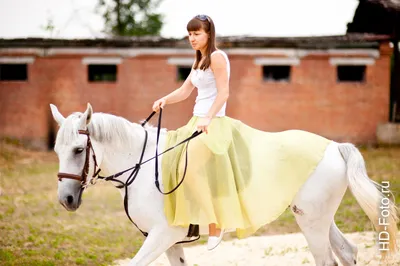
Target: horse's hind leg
{"points": [[343, 248], [176, 255], [316, 232], [317, 202]]}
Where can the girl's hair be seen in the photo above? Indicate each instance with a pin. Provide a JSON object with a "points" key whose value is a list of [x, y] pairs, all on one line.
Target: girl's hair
{"points": [[203, 22]]}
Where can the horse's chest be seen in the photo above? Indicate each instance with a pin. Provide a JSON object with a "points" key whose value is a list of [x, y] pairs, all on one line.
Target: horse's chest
{"points": [[145, 210]]}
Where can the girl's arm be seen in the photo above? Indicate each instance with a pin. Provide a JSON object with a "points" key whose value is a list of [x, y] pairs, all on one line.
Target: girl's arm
{"points": [[219, 68]]}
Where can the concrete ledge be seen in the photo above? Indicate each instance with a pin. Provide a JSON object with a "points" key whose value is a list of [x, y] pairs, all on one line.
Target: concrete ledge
{"points": [[351, 61], [17, 59], [388, 133], [277, 61], [181, 61], [101, 60]]}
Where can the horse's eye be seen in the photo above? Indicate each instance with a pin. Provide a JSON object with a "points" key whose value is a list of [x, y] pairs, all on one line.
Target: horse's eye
{"points": [[78, 150]]}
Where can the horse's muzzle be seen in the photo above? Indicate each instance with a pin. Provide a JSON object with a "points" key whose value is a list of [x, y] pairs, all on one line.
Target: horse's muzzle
{"points": [[71, 202]]}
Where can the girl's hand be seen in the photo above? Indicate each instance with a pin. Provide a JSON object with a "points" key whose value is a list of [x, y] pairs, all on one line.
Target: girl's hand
{"points": [[203, 123], [159, 104]]}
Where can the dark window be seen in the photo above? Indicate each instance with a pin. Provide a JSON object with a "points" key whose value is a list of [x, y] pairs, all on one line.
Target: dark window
{"points": [[351, 73], [183, 72], [102, 73], [13, 72], [276, 73]]}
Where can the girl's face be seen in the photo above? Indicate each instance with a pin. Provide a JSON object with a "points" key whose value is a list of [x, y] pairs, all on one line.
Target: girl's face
{"points": [[198, 39]]}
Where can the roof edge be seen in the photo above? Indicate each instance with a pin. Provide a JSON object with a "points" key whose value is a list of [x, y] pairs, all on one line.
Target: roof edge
{"points": [[357, 40]]}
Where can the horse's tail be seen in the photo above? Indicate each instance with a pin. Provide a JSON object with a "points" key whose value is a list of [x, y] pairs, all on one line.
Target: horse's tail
{"points": [[373, 198]]}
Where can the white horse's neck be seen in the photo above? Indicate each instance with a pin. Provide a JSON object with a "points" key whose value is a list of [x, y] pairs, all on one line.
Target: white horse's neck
{"points": [[121, 144]]}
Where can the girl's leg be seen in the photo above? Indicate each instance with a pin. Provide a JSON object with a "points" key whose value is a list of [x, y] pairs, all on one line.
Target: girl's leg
{"points": [[215, 236], [213, 230], [199, 187]]}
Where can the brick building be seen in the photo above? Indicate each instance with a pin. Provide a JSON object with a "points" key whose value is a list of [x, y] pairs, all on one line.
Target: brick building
{"points": [[336, 86]]}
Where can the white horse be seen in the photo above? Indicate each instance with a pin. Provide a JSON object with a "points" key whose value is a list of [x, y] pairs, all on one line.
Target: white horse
{"points": [[118, 144]]}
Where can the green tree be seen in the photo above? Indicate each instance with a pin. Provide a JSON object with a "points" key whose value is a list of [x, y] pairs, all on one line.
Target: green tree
{"points": [[131, 17]]}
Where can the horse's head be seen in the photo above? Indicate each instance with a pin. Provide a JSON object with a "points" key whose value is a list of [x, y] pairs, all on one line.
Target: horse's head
{"points": [[77, 162]]}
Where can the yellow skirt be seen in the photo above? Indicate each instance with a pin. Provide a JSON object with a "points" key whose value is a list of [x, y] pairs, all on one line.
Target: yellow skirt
{"points": [[238, 177]]}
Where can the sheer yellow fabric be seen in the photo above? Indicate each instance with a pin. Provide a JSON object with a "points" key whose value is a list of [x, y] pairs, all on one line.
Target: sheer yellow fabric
{"points": [[237, 177]]}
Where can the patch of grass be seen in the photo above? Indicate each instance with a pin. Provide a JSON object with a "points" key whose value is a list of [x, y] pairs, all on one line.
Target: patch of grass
{"points": [[287, 250], [36, 262], [6, 256], [59, 255], [80, 261], [368, 246], [268, 251]]}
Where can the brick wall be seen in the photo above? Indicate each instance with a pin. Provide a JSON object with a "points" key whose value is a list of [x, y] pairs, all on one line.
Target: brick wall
{"points": [[313, 100]]}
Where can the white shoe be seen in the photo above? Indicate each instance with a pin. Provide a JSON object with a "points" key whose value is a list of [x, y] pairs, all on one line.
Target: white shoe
{"points": [[213, 241]]}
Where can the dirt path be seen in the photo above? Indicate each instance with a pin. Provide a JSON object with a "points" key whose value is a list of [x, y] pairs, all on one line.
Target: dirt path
{"points": [[282, 250]]}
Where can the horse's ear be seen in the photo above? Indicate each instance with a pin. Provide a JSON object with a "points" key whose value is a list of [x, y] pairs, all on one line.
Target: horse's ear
{"points": [[87, 116], [57, 115]]}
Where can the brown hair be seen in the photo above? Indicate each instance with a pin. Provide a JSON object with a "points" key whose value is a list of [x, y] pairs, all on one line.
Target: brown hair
{"points": [[203, 22]]}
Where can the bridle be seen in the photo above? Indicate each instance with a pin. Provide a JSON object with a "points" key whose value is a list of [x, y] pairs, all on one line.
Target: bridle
{"points": [[135, 169], [83, 177]]}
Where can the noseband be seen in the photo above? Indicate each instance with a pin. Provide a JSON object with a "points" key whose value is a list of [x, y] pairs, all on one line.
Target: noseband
{"points": [[83, 177]]}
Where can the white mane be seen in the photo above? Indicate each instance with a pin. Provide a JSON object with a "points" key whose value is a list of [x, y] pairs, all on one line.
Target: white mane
{"points": [[106, 128]]}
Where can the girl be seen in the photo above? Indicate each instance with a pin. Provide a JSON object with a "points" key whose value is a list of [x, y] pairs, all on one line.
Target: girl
{"points": [[210, 74]]}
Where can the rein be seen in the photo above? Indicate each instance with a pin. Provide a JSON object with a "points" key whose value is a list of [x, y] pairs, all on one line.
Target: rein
{"points": [[135, 169]]}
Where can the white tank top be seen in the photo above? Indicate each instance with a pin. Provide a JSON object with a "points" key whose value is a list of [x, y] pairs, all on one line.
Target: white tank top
{"points": [[206, 85]]}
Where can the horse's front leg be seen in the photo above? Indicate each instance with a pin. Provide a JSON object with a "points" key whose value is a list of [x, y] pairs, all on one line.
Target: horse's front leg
{"points": [[157, 242], [176, 256]]}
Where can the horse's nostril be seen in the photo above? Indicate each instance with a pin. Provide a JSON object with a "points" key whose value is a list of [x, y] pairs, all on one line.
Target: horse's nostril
{"points": [[70, 199]]}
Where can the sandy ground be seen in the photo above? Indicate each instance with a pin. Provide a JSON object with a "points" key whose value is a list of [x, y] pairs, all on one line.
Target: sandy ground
{"points": [[282, 250]]}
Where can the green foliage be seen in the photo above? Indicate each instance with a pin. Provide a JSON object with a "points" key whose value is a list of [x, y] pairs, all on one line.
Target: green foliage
{"points": [[131, 17]]}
